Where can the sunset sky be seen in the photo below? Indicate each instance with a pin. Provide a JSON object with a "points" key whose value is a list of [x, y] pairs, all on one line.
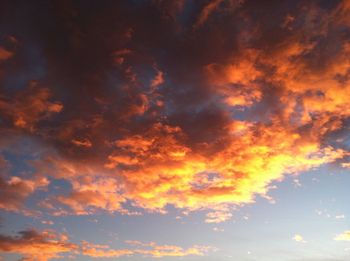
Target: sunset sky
{"points": [[208, 130]]}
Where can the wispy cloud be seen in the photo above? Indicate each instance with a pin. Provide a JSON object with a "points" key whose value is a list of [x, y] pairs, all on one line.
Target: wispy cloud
{"points": [[46, 245]]}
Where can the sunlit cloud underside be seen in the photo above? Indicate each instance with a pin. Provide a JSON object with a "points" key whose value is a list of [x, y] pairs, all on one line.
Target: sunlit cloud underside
{"points": [[176, 109]]}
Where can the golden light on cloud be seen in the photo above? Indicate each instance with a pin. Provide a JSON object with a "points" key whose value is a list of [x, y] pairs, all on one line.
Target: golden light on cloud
{"points": [[48, 245], [199, 110], [41, 246], [345, 236], [298, 238]]}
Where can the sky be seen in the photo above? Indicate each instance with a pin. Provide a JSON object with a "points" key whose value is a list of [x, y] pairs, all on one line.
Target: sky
{"points": [[209, 130]]}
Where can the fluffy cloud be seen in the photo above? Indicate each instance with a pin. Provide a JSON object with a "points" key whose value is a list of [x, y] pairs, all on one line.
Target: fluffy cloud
{"points": [[29, 107], [298, 238], [90, 195], [15, 190], [345, 236], [198, 114], [34, 245]]}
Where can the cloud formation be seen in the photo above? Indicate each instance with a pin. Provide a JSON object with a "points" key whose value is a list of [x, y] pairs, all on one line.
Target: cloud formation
{"points": [[34, 245], [196, 105], [144, 249], [46, 245]]}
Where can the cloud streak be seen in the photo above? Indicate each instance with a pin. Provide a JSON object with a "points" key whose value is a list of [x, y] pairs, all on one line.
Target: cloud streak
{"points": [[47, 245]]}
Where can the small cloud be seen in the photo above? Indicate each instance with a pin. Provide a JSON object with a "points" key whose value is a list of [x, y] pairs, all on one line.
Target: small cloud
{"points": [[346, 165], [270, 199], [318, 212], [47, 222], [345, 236], [287, 23], [37, 245], [157, 80], [298, 238], [218, 217], [5, 54], [218, 229], [340, 216], [206, 12], [297, 183], [82, 143]]}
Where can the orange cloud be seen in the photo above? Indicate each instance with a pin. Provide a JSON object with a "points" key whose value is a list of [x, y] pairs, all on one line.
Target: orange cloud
{"points": [[5, 54], [341, 14], [46, 245], [175, 251], [15, 190], [346, 165], [93, 250], [158, 80], [217, 217], [82, 143], [93, 194], [206, 11], [236, 81], [162, 170], [39, 246], [159, 166], [146, 249], [30, 106], [290, 96]]}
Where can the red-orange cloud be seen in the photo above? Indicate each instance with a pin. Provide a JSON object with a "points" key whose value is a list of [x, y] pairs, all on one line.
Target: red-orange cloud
{"points": [[39, 246], [47, 245], [235, 105]]}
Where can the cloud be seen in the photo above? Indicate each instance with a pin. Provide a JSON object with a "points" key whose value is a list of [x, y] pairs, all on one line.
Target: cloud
{"points": [[221, 214], [99, 251], [206, 11], [90, 195], [83, 143], [345, 236], [14, 191], [342, 216], [298, 238], [346, 165], [160, 114], [48, 244], [145, 249], [5, 54], [217, 229], [167, 170], [34, 245], [29, 106], [158, 80], [175, 251]]}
